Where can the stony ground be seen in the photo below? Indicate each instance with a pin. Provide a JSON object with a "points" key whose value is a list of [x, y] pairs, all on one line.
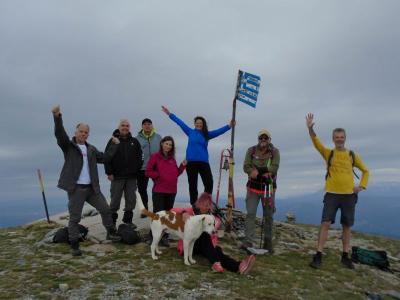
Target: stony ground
{"points": [[117, 271]]}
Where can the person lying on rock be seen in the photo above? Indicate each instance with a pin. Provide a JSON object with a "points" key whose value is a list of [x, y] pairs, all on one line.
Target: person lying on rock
{"points": [[206, 245]]}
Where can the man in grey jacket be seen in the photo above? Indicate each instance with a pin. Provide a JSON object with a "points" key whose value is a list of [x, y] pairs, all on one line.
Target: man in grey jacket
{"points": [[150, 142], [79, 178]]}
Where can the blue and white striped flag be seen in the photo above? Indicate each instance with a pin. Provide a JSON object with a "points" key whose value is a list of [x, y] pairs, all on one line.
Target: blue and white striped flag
{"points": [[248, 88]]}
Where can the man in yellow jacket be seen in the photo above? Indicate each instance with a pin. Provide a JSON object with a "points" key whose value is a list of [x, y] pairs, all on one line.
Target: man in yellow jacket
{"points": [[341, 192]]}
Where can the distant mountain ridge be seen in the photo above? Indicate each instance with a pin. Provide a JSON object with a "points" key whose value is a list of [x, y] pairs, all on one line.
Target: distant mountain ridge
{"points": [[377, 211]]}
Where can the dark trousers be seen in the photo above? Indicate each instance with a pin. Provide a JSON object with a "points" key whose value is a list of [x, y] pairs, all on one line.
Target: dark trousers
{"points": [[252, 201], [193, 169], [126, 187], [203, 246], [142, 183], [163, 201], [76, 200]]}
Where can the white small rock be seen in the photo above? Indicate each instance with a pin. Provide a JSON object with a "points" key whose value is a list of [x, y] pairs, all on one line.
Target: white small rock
{"points": [[63, 287]]}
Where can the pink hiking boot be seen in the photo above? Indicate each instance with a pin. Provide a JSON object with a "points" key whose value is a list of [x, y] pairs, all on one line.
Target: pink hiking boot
{"points": [[217, 267], [246, 264]]}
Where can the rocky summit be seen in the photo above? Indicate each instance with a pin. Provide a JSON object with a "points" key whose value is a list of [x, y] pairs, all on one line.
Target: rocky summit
{"points": [[31, 269]]}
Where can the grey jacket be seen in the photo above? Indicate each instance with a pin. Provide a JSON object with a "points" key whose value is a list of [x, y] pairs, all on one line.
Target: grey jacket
{"points": [[73, 160], [149, 145]]}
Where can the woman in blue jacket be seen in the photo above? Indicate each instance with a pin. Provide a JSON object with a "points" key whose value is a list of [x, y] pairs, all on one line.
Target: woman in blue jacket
{"points": [[197, 152]]}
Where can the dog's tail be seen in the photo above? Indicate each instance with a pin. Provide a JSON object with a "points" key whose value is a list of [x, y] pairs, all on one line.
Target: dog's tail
{"points": [[142, 209]]}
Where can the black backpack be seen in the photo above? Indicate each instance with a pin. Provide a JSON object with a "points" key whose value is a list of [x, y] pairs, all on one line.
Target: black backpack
{"points": [[128, 234], [61, 235], [375, 258]]}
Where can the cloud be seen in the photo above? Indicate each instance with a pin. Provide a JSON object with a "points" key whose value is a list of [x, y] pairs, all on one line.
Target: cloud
{"points": [[103, 62]]}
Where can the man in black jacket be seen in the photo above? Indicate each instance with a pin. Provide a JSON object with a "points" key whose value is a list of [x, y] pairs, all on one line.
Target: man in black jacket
{"points": [[80, 179], [123, 170]]}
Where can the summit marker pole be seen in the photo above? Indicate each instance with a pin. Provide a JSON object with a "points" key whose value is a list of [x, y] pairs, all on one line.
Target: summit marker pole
{"points": [[43, 195]]}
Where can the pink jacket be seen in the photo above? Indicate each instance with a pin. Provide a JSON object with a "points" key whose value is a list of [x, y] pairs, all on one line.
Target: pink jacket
{"points": [[164, 171], [189, 210]]}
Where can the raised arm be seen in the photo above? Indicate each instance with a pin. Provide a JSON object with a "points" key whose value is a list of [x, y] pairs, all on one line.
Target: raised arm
{"points": [[316, 142], [59, 131], [217, 132], [310, 124], [186, 129]]}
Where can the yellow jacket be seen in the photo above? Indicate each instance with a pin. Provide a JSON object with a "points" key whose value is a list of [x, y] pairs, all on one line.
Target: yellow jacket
{"points": [[341, 179]]}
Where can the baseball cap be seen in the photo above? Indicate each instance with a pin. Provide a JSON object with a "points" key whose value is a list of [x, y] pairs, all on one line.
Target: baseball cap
{"points": [[147, 120], [264, 132]]}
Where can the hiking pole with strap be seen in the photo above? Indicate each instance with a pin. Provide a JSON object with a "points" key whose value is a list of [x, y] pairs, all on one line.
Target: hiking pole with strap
{"points": [[263, 202], [43, 195], [269, 184]]}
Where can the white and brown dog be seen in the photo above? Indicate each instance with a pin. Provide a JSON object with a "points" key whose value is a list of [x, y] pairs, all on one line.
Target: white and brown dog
{"points": [[189, 231]]}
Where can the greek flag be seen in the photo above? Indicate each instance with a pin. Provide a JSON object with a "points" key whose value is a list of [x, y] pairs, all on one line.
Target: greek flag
{"points": [[248, 87]]}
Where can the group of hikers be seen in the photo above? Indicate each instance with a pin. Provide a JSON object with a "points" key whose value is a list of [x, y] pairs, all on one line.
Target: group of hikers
{"points": [[131, 161]]}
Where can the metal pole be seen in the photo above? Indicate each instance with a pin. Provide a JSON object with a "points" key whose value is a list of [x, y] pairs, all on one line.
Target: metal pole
{"points": [[43, 195], [219, 177], [231, 199]]}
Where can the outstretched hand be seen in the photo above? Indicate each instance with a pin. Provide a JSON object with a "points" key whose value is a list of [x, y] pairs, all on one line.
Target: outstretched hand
{"points": [[310, 120], [232, 123], [56, 110], [166, 110]]}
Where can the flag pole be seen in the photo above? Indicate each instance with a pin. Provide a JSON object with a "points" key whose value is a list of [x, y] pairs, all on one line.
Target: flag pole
{"points": [[231, 195], [43, 195]]}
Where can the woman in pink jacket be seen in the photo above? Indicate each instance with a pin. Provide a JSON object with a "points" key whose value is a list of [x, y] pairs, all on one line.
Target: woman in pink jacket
{"points": [[162, 168]]}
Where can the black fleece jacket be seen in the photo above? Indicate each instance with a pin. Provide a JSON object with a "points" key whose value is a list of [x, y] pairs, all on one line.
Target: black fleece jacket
{"points": [[128, 159]]}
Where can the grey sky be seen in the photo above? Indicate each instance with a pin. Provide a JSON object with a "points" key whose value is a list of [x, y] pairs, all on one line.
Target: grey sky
{"points": [[103, 61]]}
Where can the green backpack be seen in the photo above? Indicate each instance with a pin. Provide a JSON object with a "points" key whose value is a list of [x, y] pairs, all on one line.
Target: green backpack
{"points": [[375, 258]]}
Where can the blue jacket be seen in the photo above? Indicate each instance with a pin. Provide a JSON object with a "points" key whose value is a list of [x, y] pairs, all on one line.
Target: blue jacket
{"points": [[197, 145]]}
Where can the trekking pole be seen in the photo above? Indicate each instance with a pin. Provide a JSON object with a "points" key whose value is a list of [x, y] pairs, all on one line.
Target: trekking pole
{"points": [[43, 195], [263, 202]]}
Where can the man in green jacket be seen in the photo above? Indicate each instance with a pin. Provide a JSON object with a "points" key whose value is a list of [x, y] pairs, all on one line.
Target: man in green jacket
{"points": [[261, 165]]}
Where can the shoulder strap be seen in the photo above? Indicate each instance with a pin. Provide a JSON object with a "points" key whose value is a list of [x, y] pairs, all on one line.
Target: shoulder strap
{"points": [[328, 164], [253, 151], [353, 159]]}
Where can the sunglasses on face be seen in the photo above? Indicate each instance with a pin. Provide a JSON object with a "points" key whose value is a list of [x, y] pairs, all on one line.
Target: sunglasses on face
{"points": [[263, 138]]}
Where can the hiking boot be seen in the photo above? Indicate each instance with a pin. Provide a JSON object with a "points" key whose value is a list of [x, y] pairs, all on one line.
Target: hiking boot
{"points": [[131, 225], [75, 251], [346, 261], [112, 235], [164, 241], [216, 267], [268, 246], [246, 264], [316, 262], [114, 217], [246, 244], [127, 218]]}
